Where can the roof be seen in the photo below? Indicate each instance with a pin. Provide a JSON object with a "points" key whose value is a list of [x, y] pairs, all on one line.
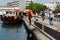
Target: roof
{"points": [[6, 7], [28, 11], [13, 10]]}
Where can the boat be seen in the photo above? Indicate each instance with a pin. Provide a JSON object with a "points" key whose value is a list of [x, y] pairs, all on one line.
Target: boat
{"points": [[11, 16], [15, 16]]}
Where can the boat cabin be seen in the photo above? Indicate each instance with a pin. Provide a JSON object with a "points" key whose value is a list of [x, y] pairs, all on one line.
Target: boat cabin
{"points": [[12, 12]]}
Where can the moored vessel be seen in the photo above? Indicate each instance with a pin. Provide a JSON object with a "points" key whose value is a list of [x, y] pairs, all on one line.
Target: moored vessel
{"points": [[11, 16]]}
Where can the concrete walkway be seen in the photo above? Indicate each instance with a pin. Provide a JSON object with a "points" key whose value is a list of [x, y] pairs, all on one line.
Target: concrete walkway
{"points": [[46, 22]]}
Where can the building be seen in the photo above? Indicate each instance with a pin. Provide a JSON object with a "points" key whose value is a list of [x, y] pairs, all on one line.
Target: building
{"points": [[21, 4], [28, 2], [52, 5]]}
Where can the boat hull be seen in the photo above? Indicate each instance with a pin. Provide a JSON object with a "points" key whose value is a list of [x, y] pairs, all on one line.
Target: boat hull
{"points": [[9, 20]]}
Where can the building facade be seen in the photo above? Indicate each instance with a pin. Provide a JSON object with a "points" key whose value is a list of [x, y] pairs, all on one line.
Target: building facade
{"points": [[52, 5], [21, 4]]}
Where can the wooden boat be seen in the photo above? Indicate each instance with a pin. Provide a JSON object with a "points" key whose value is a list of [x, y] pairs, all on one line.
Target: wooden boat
{"points": [[15, 16], [11, 16]]}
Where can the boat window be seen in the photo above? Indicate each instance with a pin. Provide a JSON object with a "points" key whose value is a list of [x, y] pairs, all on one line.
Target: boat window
{"points": [[13, 13], [10, 12]]}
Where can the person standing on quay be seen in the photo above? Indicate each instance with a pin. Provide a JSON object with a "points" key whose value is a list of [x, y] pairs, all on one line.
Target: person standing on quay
{"points": [[43, 16], [50, 18], [56, 16], [51, 21]]}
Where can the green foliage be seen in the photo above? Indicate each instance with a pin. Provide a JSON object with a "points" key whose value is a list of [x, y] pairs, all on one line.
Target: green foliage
{"points": [[36, 7], [57, 7]]}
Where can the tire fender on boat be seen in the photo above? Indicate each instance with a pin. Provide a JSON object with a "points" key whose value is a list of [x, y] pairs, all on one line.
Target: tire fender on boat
{"points": [[5, 18], [12, 18]]}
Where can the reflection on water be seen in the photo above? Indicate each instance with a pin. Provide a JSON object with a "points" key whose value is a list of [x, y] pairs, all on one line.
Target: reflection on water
{"points": [[12, 32]]}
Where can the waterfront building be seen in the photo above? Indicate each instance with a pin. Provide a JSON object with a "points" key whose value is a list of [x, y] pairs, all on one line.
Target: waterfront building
{"points": [[52, 5], [21, 4]]}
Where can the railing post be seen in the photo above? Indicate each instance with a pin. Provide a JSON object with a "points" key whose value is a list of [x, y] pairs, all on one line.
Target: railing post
{"points": [[43, 27]]}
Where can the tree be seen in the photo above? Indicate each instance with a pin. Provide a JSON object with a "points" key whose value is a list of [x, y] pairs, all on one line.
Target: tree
{"points": [[57, 7], [36, 7]]}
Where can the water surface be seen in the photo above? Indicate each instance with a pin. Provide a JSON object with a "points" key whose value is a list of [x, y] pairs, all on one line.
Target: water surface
{"points": [[12, 31]]}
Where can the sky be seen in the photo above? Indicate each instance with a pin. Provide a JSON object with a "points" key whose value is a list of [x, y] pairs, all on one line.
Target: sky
{"points": [[3, 2], [46, 1]]}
